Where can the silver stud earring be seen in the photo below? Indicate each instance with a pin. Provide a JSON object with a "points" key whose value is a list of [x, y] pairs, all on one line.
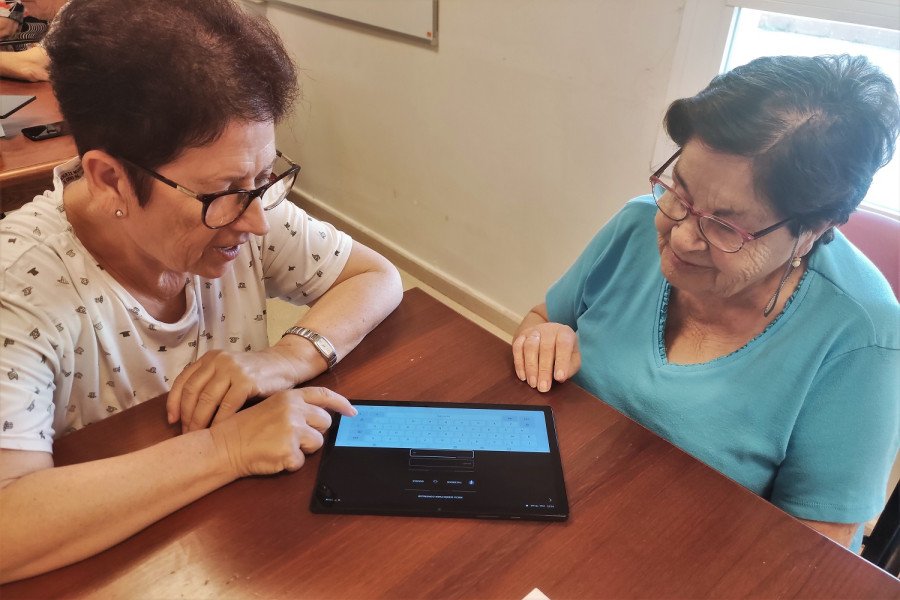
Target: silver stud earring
{"points": [[120, 214]]}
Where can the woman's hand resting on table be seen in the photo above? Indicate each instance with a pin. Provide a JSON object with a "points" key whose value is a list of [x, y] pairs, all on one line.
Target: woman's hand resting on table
{"points": [[29, 65], [544, 351], [276, 434], [218, 384]]}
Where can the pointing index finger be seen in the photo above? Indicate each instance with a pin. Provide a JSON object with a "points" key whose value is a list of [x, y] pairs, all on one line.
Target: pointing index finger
{"points": [[325, 398]]}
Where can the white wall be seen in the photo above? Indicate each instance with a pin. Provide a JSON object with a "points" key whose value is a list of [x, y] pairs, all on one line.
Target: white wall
{"points": [[491, 160]]}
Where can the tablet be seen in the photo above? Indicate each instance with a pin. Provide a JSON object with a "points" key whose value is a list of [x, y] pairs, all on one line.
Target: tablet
{"points": [[442, 460], [10, 104]]}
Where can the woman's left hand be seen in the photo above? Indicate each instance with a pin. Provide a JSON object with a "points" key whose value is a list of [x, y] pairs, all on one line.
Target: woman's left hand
{"points": [[29, 65], [219, 383]]}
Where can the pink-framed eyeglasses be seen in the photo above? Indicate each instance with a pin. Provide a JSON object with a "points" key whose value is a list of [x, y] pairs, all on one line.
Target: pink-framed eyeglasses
{"points": [[720, 233]]}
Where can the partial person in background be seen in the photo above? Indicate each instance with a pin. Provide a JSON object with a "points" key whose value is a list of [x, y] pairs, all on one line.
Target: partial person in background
{"points": [[12, 15], [725, 313], [147, 268], [23, 59]]}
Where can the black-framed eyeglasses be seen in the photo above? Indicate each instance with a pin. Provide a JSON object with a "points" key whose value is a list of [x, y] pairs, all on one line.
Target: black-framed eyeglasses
{"points": [[224, 208], [722, 234]]}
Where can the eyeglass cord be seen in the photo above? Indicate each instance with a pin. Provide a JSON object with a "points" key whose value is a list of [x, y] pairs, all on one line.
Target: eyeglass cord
{"points": [[793, 264]]}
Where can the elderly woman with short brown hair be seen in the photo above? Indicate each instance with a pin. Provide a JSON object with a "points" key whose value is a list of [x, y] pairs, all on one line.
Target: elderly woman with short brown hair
{"points": [[716, 312]]}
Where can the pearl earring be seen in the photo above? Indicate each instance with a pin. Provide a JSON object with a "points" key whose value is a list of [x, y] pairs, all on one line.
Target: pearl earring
{"points": [[120, 214], [795, 262]]}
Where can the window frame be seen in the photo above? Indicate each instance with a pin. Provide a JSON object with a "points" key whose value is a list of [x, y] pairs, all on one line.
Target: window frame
{"points": [[704, 35]]}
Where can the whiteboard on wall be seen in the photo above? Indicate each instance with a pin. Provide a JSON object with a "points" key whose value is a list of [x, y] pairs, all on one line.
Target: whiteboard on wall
{"points": [[413, 18]]}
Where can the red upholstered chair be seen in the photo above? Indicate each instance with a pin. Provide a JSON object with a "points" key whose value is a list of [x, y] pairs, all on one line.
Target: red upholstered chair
{"points": [[878, 237]]}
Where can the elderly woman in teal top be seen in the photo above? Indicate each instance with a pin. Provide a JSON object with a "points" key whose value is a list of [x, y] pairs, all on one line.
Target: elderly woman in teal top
{"points": [[723, 311]]}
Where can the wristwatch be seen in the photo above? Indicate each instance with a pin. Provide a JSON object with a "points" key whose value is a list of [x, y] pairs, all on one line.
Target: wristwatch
{"points": [[321, 343]]}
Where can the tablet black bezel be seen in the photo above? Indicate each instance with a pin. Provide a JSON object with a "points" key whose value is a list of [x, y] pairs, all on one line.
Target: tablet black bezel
{"points": [[559, 513], [16, 103]]}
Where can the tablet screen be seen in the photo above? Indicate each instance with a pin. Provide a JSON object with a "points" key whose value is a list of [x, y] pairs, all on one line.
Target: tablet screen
{"points": [[443, 459], [442, 428]]}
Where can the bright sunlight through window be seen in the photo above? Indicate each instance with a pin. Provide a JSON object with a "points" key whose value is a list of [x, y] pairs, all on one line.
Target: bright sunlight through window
{"points": [[756, 33]]}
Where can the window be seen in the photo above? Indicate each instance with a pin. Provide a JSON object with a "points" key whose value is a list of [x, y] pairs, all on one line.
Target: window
{"points": [[757, 33], [717, 35]]}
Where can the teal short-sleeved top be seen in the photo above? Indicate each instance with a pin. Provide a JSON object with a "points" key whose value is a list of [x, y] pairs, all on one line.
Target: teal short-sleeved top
{"points": [[807, 414]]}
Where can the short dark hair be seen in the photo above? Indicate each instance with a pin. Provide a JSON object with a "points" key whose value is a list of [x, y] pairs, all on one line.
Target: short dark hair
{"points": [[817, 128], [145, 80]]}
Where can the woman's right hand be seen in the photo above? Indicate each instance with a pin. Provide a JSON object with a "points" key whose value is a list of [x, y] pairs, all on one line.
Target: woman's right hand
{"points": [[276, 434], [544, 351]]}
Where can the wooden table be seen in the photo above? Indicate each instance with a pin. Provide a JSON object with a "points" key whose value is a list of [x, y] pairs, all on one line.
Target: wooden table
{"points": [[647, 520], [26, 167]]}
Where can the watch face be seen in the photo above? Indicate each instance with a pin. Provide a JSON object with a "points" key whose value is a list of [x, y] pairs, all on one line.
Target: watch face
{"points": [[324, 347]]}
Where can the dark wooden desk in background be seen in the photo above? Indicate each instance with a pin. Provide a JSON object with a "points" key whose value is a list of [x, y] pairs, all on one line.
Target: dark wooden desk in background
{"points": [[646, 520], [26, 167]]}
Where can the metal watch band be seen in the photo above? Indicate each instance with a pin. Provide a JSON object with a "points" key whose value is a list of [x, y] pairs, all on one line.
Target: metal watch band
{"points": [[319, 342]]}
